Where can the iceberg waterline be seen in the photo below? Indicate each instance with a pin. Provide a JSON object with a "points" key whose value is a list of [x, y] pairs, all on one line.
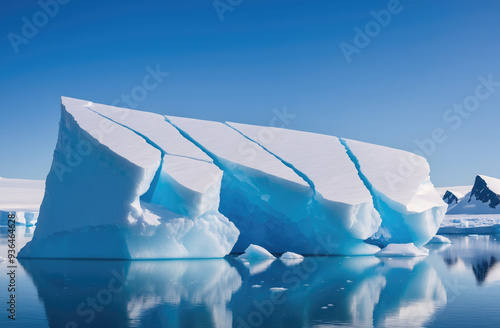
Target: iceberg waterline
{"points": [[169, 187]]}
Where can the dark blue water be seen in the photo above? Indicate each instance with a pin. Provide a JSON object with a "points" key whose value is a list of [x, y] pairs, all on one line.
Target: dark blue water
{"points": [[455, 286]]}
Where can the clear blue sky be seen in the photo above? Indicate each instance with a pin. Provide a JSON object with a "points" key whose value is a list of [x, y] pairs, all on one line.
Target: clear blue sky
{"points": [[262, 55]]}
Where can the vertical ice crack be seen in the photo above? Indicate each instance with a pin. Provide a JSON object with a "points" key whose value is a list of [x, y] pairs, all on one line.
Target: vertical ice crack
{"points": [[363, 177], [148, 195], [197, 144], [290, 165]]}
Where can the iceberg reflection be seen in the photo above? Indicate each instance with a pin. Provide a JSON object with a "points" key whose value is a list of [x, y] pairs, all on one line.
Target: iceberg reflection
{"points": [[481, 253], [322, 291]]}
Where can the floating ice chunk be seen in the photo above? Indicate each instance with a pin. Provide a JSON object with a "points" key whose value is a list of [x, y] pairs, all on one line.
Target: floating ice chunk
{"points": [[278, 289], [438, 239], [403, 250], [291, 256], [291, 259], [256, 252], [256, 286], [410, 207]]}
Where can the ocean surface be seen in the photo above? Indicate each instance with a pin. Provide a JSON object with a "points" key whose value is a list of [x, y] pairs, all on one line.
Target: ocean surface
{"points": [[457, 285]]}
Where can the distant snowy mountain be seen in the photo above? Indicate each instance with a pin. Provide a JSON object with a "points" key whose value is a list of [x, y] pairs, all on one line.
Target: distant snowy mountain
{"points": [[484, 198], [452, 195]]}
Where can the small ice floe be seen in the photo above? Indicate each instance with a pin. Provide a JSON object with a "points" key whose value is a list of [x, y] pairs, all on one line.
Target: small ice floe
{"points": [[278, 289], [291, 256], [255, 252], [290, 259], [330, 305], [305, 285], [257, 259], [437, 239], [256, 286], [402, 250], [324, 307]]}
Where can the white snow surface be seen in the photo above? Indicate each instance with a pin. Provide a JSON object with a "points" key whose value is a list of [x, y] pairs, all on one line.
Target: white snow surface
{"points": [[291, 256], [22, 198], [324, 160], [438, 239], [492, 183], [155, 128], [402, 250], [410, 207], [256, 252], [229, 145], [334, 176]]}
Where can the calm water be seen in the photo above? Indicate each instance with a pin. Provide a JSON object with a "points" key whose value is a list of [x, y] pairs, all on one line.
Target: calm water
{"points": [[456, 286]]}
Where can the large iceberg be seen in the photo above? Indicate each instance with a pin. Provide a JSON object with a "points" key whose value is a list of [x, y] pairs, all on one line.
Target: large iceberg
{"points": [[21, 198], [102, 187], [127, 184]]}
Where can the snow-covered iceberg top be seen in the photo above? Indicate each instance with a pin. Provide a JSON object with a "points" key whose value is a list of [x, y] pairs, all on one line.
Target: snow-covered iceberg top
{"points": [[135, 185]]}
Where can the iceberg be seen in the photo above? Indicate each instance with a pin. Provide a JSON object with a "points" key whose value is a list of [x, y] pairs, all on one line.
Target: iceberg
{"points": [[127, 184], [256, 252], [437, 239], [397, 250], [101, 190], [403, 194], [21, 198], [291, 256], [291, 259]]}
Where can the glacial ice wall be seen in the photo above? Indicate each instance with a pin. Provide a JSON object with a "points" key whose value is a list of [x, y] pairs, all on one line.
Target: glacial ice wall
{"points": [[403, 194], [135, 185]]}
